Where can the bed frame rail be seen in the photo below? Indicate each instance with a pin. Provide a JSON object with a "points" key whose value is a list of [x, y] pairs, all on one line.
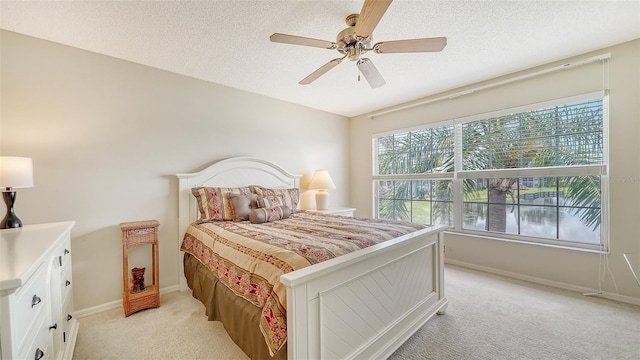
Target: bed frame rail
{"points": [[365, 304]]}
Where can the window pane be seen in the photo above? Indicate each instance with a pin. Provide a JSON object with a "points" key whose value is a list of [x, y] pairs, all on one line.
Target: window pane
{"points": [[475, 190], [442, 190], [391, 204], [385, 209], [475, 217], [385, 155], [539, 221], [421, 212], [401, 150], [573, 229], [385, 189], [502, 191], [538, 191], [563, 135], [498, 214], [580, 191], [442, 213], [403, 190]]}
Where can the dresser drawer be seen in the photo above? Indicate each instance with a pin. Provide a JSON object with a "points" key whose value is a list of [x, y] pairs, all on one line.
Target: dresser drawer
{"points": [[65, 252], [62, 253], [68, 319], [37, 342], [66, 284], [31, 303]]}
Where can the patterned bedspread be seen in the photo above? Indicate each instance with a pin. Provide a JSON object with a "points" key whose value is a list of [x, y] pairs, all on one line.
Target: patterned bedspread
{"points": [[250, 258]]}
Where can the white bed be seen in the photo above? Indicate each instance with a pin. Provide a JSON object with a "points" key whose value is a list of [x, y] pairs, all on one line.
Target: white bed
{"points": [[322, 296]]}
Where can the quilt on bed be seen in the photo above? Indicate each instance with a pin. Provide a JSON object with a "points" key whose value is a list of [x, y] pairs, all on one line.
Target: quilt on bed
{"points": [[250, 258]]}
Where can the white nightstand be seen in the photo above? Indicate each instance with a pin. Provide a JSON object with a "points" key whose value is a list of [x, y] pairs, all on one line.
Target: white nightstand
{"points": [[341, 211]]}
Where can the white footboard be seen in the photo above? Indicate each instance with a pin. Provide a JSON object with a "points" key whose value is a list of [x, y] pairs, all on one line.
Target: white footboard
{"points": [[367, 303]]}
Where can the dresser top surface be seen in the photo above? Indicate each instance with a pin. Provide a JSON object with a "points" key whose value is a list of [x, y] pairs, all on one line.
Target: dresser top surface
{"points": [[22, 249]]}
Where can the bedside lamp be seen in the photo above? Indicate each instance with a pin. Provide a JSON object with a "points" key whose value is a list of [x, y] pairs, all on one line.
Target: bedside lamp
{"points": [[321, 181], [15, 173]]}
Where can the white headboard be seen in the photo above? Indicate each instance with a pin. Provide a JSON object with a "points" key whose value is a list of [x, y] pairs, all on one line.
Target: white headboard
{"points": [[232, 172]]}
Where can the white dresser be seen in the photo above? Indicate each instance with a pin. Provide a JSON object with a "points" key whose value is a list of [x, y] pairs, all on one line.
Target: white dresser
{"points": [[36, 292]]}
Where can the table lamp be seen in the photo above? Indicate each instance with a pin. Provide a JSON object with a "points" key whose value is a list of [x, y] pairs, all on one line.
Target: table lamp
{"points": [[321, 181], [15, 173]]}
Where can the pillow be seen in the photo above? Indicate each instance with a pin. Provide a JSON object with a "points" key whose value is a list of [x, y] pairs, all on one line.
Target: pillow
{"points": [[270, 201], [291, 197], [241, 205], [262, 215], [213, 202]]}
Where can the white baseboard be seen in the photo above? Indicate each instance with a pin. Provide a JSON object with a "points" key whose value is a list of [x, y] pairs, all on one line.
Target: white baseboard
{"points": [[115, 304], [556, 284]]}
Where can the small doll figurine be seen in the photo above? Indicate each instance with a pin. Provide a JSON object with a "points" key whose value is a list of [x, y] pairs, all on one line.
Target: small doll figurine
{"points": [[137, 279]]}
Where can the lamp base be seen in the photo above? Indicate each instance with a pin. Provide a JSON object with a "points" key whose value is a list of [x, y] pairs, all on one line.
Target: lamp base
{"points": [[322, 200], [10, 219]]}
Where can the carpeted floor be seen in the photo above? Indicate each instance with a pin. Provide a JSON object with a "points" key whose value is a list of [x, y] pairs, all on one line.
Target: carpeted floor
{"points": [[178, 329], [489, 317]]}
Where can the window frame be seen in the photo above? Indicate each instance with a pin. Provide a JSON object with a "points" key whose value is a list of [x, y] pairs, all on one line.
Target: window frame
{"points": [[458, 175]]}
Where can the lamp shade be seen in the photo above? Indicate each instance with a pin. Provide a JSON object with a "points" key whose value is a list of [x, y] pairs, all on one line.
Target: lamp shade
{"points": [[321, 180], [16, 172]]}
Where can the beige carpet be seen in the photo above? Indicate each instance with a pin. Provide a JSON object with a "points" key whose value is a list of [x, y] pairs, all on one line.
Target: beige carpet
{"points": [[178, 329], [489, 317]]}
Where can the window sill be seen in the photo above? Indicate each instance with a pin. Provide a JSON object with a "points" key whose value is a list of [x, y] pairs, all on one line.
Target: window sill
{"points": [[592, 249]]}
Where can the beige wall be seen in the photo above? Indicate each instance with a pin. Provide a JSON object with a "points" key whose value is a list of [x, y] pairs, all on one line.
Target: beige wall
{"points": [[108, 136], [563, 267]]}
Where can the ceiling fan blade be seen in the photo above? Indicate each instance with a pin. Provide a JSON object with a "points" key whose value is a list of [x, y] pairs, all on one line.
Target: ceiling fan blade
{"points": [[299, 40], [370, 15], [411, 45], [321, 71], [370, 73]]}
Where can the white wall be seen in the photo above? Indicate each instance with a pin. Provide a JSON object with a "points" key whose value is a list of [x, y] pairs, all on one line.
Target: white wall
{"points": [[562, 267], [108, 136]]}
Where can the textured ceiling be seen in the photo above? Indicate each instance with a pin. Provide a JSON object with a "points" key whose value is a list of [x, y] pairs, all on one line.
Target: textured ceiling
{"points": [[227, 42]]}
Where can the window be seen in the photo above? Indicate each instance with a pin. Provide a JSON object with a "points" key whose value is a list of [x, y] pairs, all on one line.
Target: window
{"points": [[412, 186], [534, 173]]}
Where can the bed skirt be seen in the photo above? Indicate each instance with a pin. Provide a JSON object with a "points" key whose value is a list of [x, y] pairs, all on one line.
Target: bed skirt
{"points": [[239, 317]]}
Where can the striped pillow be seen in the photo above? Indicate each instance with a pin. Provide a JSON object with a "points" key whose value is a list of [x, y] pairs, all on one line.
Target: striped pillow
{"points": [[214, 203], [270, 201], [291, 197]]}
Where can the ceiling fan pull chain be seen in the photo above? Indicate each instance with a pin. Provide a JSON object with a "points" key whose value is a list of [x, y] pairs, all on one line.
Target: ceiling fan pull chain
{"points": [[359, 59]]}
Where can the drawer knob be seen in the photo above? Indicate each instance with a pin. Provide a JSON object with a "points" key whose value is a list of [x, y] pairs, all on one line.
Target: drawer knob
{"points": [[54, 326], [69, 317], [35, 300], [67, 283], [39, 354], [66, 251]]}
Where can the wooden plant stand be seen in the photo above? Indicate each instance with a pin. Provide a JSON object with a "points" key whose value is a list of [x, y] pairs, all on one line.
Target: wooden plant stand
{"points": [[133, 234]]}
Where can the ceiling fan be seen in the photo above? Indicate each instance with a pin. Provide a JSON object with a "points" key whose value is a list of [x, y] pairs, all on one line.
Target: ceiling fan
{"points": [[355, 41]]}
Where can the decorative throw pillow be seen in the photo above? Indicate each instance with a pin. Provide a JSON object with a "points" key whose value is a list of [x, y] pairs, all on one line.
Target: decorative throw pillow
{"points": [[213, 202], [270, 201], [291, 196], [241, 205], [262, 215]]}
